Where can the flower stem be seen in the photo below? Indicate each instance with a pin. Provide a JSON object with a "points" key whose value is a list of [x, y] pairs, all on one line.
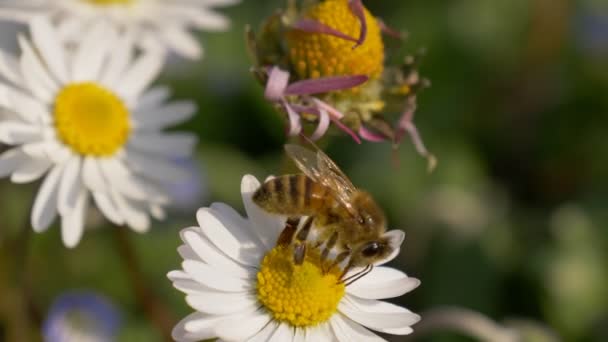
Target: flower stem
{"points": [[155, 311]]}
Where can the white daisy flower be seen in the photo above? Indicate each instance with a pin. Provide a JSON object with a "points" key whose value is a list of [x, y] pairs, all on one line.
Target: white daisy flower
{"points": [[245, 288], [155, 24], [82, 118]]}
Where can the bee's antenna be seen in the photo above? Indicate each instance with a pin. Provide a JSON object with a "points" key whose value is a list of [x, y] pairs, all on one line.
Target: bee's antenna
{"points": [[357, 276]]}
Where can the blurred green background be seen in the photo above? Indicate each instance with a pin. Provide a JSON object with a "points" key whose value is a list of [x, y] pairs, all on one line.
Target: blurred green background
{"points": [[512, 223]]}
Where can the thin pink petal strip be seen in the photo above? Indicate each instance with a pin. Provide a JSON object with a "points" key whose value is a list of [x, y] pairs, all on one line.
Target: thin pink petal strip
{"points": [[295, 126], [325, 84], [313, 26], [276, 84], [335, 116], [406, 125], [368, 135], [390, 31], [324, 121], [331, 110], [356, 6]]}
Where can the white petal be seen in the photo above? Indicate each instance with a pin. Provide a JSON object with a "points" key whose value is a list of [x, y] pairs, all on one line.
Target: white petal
{"points": [[24, 105], [119, 60], [300, 335], [92, 52], [11, 160], [15, 132], [218, 303], [31, 170], [215, 278], [173, 145], [182, 42], [123, 181], [156, 167], [92, 176], [321, 332], [108, 208], [242, 327], [70, 186], [34, 73], [377, 315], [151, 99], [139, 76], [45, 205], [265, 334], [50, 47], [72, 224], [232, 240], [283, 333], [201, 328], [212, 256], [346, 330], [134, 215], [209, 20], [9, 67], [170, 114], [266, 226], [383, 282]]}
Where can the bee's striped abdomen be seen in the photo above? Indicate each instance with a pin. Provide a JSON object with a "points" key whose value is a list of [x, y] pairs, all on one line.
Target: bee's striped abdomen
{"points": [[292, 195]]}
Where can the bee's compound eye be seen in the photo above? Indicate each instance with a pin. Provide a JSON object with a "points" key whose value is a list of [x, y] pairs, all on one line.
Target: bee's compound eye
{"points": [[361, 220], [371, 249]]}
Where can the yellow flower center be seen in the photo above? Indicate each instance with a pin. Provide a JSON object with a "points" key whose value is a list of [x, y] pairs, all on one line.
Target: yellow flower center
{"points": [[315, 54], [109, 2], [300, 295], [91, 119]]}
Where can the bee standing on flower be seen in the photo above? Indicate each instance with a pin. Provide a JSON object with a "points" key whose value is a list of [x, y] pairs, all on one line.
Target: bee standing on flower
{"points": [[348, 221]]}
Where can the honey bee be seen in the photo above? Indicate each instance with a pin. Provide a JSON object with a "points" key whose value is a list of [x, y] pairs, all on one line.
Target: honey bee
{"points": [[346, 218]]}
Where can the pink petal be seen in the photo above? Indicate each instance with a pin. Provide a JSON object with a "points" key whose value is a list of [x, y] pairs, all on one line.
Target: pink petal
{"points": [[313, 26], [295, 127], [406, 125], [390, 31], [324, 121], [368, 135], [276, 84], [325, 84], [335, 116], [356, 6]]}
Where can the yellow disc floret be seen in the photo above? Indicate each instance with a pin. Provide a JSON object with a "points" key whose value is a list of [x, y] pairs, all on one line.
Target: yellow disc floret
{"points": [[315, 55], [91, 120], [109, 2], [300, 295]]}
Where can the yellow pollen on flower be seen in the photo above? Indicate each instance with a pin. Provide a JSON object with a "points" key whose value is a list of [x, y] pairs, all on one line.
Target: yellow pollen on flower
{"points": [[109, 2], [315, 55], [91, 120], [300, 295]]}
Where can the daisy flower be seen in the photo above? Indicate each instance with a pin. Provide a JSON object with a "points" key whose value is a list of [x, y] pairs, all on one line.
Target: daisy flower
{"points": [[155, 24], [81, 316], [323, 63], [245, 287], [82, 118]]}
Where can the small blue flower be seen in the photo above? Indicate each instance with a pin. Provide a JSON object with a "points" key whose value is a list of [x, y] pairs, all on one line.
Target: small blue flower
{"points": [[188, 193], [81, 316]]}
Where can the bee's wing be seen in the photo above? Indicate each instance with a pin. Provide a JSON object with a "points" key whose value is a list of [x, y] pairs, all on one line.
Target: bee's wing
{"points": [[320, 168]]}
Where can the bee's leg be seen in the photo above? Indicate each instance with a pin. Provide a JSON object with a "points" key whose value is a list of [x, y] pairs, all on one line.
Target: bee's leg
{"points": [[299, 251], [358, 275], [339, 259], [330, 244], [289, 231], [305, 230]]}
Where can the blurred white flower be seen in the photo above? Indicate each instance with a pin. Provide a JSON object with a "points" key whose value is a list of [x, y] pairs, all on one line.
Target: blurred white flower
{"points": [[83, 117], [81, 316], [154, 24], [246, 288]]}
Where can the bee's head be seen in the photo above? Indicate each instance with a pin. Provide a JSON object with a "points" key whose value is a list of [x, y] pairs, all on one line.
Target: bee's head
{"points": [[378, 250], [368, 212]]}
